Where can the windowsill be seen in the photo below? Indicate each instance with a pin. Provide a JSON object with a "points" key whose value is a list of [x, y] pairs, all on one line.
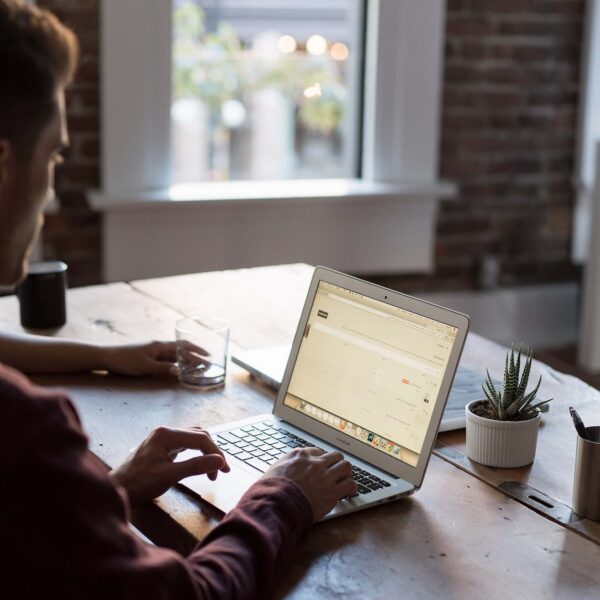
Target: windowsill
{"points": [[351, 225], [246, 193]]}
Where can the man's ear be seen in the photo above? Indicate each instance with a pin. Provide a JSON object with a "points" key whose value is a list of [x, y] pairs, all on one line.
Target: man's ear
{"points": [[5, 157]]}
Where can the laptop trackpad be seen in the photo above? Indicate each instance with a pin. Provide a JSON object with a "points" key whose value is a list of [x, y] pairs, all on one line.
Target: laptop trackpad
{"points": [[226, 491]]}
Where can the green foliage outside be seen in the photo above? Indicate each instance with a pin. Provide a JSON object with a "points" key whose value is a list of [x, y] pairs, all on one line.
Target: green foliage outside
{"points": [[214, 67]]}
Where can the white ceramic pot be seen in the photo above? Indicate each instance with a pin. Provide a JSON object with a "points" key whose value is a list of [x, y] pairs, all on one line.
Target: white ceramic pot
{"points": [[501, 443]]}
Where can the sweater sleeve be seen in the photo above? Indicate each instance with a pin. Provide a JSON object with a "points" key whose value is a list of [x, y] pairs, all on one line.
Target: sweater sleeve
{"points": [[65, 520], [254, 544]]}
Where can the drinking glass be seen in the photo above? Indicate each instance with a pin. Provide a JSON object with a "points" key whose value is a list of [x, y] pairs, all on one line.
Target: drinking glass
{"points": [[202, 348]]}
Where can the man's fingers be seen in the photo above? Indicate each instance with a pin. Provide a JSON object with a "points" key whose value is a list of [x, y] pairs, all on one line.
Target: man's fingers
{"points": [[192, 439], [196, 439], [339, 471], [162, 368], [174, 452], [328, 458], [331, 458], [312, 451], [199, 465], [165, 351], [345, 488], [186, 348], [194, 357]]}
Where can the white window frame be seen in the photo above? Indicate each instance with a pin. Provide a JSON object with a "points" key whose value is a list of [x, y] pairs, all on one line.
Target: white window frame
{"points": [[588, 133], [403, 82], [586, 230]]}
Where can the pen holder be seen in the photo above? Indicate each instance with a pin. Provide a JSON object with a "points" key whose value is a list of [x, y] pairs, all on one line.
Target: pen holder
{"points": [[586, 487]]}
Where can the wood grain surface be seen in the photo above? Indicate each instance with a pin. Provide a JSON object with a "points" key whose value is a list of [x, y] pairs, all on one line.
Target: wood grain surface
{"points": [[458, 537]]}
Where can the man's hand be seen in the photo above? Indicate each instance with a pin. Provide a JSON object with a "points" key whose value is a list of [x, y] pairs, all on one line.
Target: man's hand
{"points": [[150, 471], [153, 358], [324, 478]]}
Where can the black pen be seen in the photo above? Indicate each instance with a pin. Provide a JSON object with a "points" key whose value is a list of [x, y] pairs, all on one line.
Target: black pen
{"points": [[578, 423]]}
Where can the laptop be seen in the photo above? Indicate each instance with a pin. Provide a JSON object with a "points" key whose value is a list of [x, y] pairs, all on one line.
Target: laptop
{"points": [[368, 374], [268, 365]]}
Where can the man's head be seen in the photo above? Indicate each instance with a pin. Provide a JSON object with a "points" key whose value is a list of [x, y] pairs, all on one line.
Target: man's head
{"points": [[38, 56]]}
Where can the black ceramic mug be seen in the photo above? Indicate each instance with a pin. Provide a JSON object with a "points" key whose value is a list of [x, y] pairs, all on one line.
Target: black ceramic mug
{"points": [[42, 295]]}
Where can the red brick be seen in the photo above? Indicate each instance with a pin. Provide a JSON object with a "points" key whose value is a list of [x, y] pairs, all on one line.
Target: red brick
{"points": [[83, 123], [89, 148], [540, 28], [88, 71], [465, 26]]}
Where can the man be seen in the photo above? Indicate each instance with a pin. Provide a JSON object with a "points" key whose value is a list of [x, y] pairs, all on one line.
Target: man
{"points": [[27, 103], [63, 518]]}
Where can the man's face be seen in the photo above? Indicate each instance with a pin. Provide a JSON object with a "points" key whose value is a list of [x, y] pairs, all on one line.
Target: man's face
{"points": [[25, 187]]}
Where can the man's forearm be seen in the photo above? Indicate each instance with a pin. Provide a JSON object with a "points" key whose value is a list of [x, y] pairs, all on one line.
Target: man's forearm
{"points": [[39, 354], [252, 549]]}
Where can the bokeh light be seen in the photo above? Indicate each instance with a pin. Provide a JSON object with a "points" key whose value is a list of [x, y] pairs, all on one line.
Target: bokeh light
{"points": [[314, 91], [339, 51], [316, 45], [286, 44]]}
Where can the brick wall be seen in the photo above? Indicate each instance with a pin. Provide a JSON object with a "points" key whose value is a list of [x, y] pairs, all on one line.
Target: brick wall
{"points": [[73, 234], [509, 112], [508, 138], [508, 124]]}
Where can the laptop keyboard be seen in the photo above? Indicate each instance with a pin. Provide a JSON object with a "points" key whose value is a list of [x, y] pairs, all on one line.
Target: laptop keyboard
{"points": [[261, 444]]}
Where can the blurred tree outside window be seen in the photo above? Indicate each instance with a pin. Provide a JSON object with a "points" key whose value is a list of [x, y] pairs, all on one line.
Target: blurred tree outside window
{"points": [[265, 89]]}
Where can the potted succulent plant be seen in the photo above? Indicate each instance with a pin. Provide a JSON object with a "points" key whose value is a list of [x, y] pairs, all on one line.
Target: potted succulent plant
{"points": [[502, 428]]}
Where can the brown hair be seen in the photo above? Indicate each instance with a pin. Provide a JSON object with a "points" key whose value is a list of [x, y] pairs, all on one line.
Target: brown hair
{"points": [[38, 54]]}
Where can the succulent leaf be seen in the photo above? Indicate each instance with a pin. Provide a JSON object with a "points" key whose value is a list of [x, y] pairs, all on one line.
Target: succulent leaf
{"points": [[501, 411], [510, 400], [489, 398], [511, 383], [531, 395], [515, 407], [525, 378], [492, 390], [505, 378], [492, 393], [511, 370], [533, 407]]}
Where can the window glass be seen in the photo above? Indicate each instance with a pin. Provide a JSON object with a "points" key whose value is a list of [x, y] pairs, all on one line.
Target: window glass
{"points": [[265, 89]]}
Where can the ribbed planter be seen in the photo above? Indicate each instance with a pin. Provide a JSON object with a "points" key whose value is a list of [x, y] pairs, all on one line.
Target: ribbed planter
{"points": [[505, 444]]}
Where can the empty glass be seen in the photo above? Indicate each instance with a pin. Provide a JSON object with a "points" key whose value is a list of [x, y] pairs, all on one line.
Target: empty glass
{"points": [[202, 348]]}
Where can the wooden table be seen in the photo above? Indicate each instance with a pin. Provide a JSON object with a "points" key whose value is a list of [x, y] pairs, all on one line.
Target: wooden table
{"points": [[470, 532]]}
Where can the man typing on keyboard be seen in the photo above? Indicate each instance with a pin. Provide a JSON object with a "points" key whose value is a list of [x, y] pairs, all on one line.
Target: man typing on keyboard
{"points": [[262, 444], [63, 518]]}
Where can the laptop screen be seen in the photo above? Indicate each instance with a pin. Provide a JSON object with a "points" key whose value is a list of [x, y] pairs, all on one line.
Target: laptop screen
{"points": [[370, 370]]}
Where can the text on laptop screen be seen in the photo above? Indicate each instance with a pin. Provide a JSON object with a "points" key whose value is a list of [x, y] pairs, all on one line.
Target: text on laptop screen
{"points": [[370, 370]]}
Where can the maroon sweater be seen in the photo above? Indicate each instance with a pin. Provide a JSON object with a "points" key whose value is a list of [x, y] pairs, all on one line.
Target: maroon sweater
{"points": [[63, 520]]}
